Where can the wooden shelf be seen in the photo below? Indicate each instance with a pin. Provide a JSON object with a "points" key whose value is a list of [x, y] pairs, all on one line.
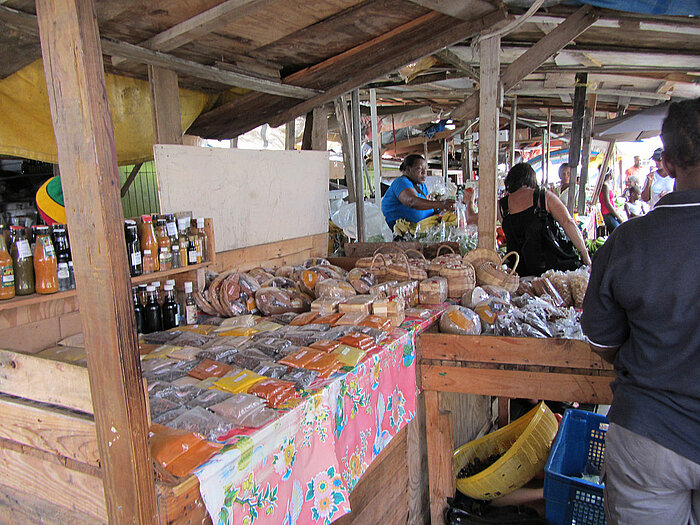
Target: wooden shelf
{"points": [[28, 300]]}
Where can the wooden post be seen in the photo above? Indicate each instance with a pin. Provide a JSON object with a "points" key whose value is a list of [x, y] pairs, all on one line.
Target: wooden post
{"points": [[87, 156], [586, 153], [489, 96], [548, 145], [513, 128], [319, 131], [576, 132], [439, 441], [308, 131], [376, 149], [289, 135], [470, 151], [165, 97], [465, 162], [357, 165], [425, 150], [341, 114], [444, 160]]}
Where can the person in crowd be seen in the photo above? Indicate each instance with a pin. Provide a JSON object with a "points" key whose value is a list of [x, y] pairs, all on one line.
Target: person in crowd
{"points": [[658, 182], [407, 197], [635, 206], [521, 215], [611, 215], [565, 178], [640, 312], [633, 171]]}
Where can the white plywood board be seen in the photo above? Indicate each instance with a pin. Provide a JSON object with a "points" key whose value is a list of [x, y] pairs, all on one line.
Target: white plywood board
{"points": [[255, 197]]}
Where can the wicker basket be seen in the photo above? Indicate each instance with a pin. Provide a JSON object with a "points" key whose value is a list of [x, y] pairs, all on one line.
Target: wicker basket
{"points": [[439, 262], [420, 262], [526, 443], [461, 278], [404, 272], [379, 269], [480, 255], [491, 273]]}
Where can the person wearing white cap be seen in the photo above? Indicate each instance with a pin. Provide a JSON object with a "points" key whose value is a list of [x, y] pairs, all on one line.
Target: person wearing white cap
{"points": [[658, 183]]}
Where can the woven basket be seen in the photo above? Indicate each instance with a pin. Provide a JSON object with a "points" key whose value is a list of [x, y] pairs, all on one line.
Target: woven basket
{"points": [[380, 270], [461, 278], [405, 271], [420, 262], [491, 273], [481, 255]]}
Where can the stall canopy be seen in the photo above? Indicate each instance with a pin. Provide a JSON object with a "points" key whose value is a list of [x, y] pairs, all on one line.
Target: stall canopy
{"points": [[633, 126], [650, 7]]}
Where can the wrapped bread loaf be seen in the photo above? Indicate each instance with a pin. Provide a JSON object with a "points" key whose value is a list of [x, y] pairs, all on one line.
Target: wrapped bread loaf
{"points": [[361, 280], [272, 301], [561, 283], [432, 290], [334, 288], [460, 320]]}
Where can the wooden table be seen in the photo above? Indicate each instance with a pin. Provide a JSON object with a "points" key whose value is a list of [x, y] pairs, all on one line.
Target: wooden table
{"points": [[553, 369]]}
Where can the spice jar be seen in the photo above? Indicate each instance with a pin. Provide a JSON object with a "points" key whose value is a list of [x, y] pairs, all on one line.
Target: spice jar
{"points": [[22, 261], [7, 273], [133, 247], [63, 256], [183, 241], [165, 258], [171, 228], [203, 240], [45, 263], [195, 253]]}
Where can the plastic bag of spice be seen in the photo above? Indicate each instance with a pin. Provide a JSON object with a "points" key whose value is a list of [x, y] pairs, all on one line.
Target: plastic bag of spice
{"points": [[348, 355], [160, 406], [240, 383], [197, 455], [325, 364], [209, 368], [325, 345], [301, 358], [166, 417], [301, 377], [238, 406], [271, 369], [208, 398], [179, 394], [203, 422], [274, 391], [167, 444]]}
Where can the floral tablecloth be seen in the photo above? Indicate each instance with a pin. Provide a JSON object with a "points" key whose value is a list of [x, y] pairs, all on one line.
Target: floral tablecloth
{"points": [[301, 467]]}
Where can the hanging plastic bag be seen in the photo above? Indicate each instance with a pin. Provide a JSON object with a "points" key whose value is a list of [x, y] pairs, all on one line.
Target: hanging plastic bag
{"points": [[376, 227]]}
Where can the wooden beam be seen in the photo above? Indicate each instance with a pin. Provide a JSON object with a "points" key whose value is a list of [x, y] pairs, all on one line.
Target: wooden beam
{"points": [[343, 117], [453, 59], [290, 135], [319, 131], [441, 475], [308, 126], [358, 164], [516, 383], [586, 151], [513, 129], [165, 98], [489, 98], [130, 179], [87, 158], [534, 57], [195, 69], [577, 131]]}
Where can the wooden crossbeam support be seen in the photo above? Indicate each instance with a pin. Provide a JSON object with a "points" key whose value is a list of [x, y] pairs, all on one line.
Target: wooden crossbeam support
{"points": [[586, 151], [453, 59], [359, 65], [344, 128], [577, 131], [534, 57], [165, 98], [87, 157], [319, 131], [130, 179]]}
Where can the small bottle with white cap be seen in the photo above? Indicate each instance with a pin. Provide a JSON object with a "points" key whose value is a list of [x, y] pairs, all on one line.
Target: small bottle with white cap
{"points": [[152, 316], [190, 305], [169, 308]]}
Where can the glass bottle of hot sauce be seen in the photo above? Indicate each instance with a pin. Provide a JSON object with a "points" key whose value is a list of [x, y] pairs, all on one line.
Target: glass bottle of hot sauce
{"points": [[183, 241], [7, 273], [195, 243], [45, 263], [165, 257], [23, 261], [149, 245]]}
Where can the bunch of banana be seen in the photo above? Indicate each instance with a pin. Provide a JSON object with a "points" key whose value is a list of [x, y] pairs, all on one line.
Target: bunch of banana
{"points": [[402, 226], [428, 223], [449, 218]]}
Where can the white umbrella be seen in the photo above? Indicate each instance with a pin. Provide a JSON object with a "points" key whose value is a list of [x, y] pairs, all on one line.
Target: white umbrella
{"points": [[633, 126]]}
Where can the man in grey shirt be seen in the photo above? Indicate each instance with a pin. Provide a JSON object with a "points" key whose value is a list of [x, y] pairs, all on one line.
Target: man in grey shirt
{"points": [[642, 312]]}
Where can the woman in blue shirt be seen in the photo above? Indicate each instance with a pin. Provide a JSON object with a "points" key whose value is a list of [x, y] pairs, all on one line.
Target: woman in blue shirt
{"points": [[407, 197]]}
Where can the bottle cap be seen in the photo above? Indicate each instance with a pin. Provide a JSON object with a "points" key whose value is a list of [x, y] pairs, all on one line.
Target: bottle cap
{"points": [[146, 218], [188, 287], [150, 288], [170, 282], [129, 222], [168, 287], [183, 223], [200, 222], [155, 284], [147, 252], [16, 228]]}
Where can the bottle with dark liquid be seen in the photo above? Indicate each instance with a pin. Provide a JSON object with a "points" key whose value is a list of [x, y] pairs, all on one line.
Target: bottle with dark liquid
{"points": [[152, 316], [138, 311], [169, 308]]}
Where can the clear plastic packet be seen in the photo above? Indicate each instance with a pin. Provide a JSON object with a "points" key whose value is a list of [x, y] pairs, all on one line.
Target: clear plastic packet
{"points": [[270, 345], [271, 369], [358, 340], [201, 329], [490, 308], [568, 326], [281, 282], [432, 290], [247, 360], [351, 319], [375, 333], [192, 339], [578, 283], [217, 353], [160, 406], [208, 398], [325, 345], [334, 288], [274, 391], [283, 319], [198, 454], [460, 320], [273, 301], [159, 338], [561, 283], [330, 271], [477, 295], [209, 368], [315, 261], [166, 417], [301, 377], [230, 340], [213, 320], [290, 272], [325, 305], [159, 352], [325, 364], [259, 418], [180, 395], [185, 380], [544, 286], [301, 358], [239, 383], [302, 319], [261, 274], [348, 355], [203, 422], [156, 386], [151, 366], [184, 353], [238, 406], [497, 291], [168, 444], [241, 331], [266, 325], [377, 322], [361, 280], [525, 287], [240, 321]]}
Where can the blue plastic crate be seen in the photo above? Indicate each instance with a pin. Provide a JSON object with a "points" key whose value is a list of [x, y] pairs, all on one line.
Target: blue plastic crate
{"points": [[579, 448]]}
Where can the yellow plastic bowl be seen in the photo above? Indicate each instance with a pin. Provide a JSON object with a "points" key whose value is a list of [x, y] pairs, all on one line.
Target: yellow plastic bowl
{"points": [[526, 443]]}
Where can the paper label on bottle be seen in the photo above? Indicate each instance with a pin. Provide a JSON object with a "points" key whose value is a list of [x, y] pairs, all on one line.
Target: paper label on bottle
{"points": [[63, 272], [171, 228], [192, 257], [8, 276], [49, 253], [135, 258], [191, 314], [23, 250]]}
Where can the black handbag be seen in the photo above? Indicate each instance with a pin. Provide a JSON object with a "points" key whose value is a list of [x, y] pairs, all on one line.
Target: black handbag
{"points": [[560, 253]]}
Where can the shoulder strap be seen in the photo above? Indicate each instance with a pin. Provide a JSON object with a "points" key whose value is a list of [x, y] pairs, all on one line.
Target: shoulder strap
{"points": [[503, 203]]}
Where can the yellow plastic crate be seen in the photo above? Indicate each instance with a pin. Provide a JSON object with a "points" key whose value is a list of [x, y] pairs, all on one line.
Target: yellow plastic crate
{"points": [[526, 443]]}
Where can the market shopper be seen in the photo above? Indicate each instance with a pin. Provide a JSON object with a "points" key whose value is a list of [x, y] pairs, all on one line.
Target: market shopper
{"points": [[658, 182], [641, 312], [526, 214], [611, 215], [635, 206], [633, 172], [565, 183], [407, 197]]}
